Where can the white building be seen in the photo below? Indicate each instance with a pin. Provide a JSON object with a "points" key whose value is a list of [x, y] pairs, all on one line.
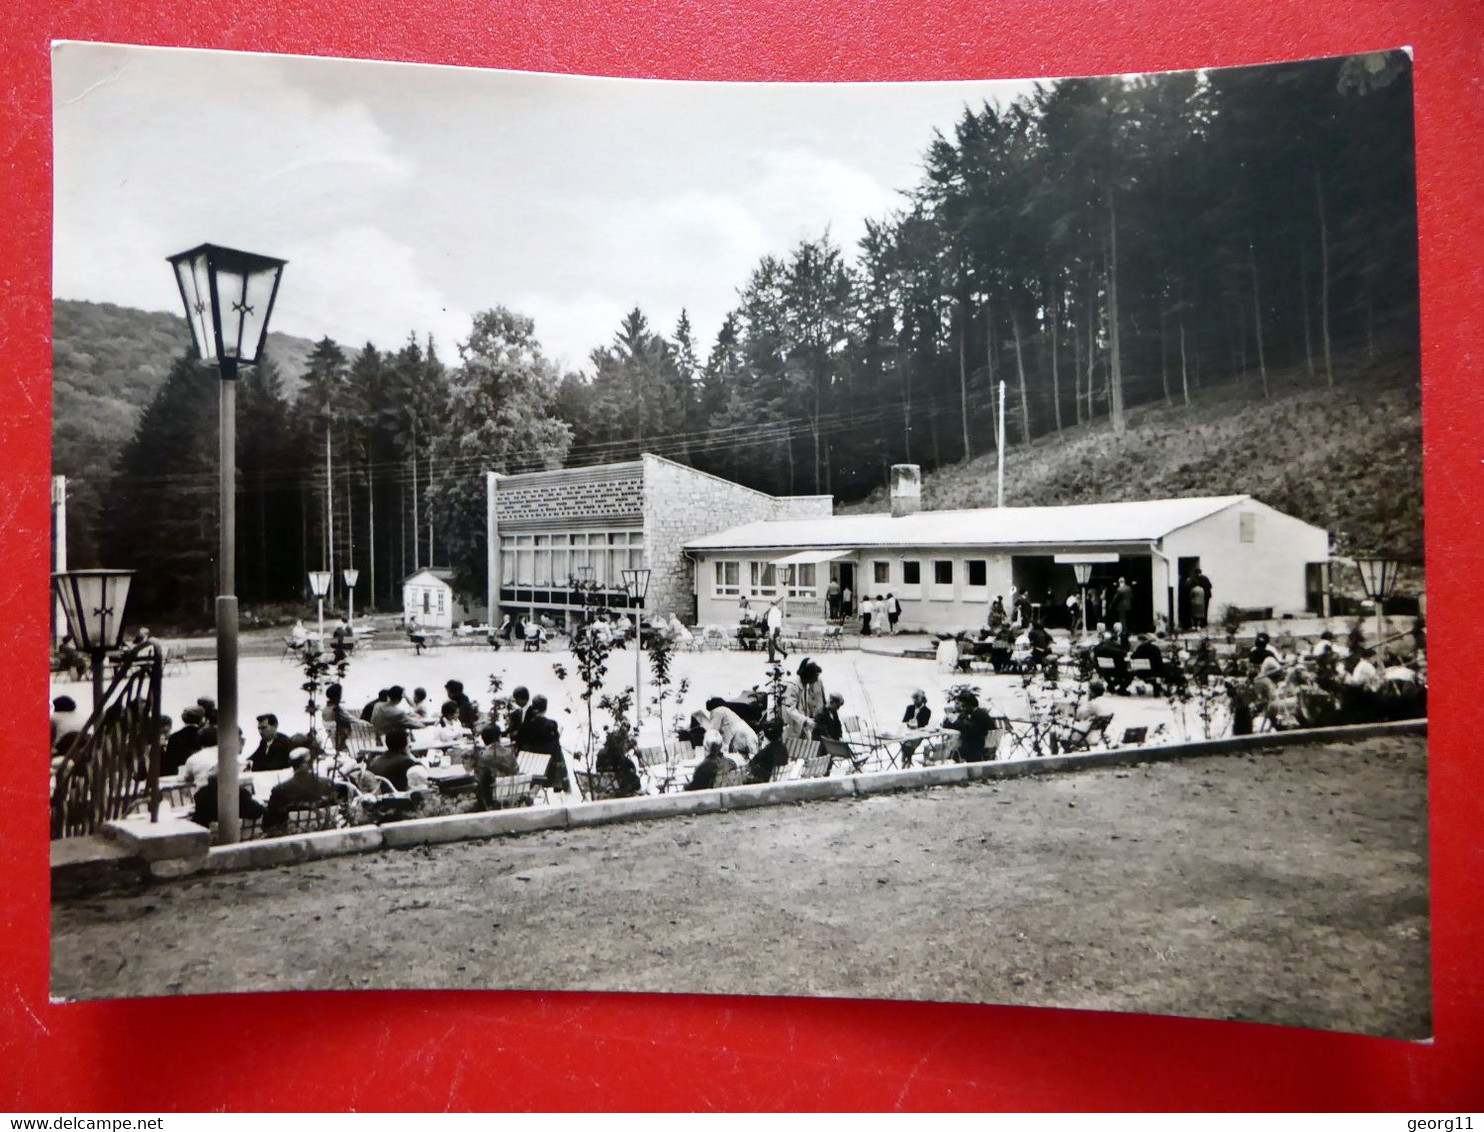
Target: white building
{"points": [[428, 600], [945, 567]]}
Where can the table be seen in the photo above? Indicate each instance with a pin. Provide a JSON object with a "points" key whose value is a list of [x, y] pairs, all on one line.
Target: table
{"points": [[885, 741]]}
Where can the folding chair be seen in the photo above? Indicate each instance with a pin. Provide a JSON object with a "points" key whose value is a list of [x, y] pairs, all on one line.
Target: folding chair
{"points": [[733, 777], [508, 792], [363, 743], [596, 786], [815, 766], [1081, 737], [839, 750], [800, 749], [1020, 742]]}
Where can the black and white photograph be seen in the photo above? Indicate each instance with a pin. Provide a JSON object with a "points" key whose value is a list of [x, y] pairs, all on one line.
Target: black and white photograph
{"points": [[951, 541]]}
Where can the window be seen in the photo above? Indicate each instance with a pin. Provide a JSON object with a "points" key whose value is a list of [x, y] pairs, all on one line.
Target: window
{"points": [[728, 579], [427, 605], [763, 578], [440, 601], [804, 581], [1247, 524], [942, 587], [881, 573], [911, 573], [978, 570]]}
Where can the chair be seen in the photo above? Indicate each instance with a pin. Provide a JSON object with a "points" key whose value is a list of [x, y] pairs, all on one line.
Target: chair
{"points": [[175, 660], [841, 751], [815, 765], [800, 749], [363, 742], [536, 766], [309, 819], [851, 725], [1080, 736], [598, 785], [734, 776], [507, 793]]}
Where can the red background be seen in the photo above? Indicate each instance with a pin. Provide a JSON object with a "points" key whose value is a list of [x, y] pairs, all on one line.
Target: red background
{"points": [[517, 1050]]}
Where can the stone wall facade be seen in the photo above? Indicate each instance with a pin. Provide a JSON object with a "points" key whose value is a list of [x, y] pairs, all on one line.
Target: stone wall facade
{"points": [[682, 504]]}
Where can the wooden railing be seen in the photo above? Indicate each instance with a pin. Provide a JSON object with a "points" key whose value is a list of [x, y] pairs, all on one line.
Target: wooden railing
{"points": [[115, 759]]}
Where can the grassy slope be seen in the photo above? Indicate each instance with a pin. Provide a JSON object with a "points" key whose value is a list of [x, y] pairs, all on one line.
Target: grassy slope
{"points": [[1347, 459]]}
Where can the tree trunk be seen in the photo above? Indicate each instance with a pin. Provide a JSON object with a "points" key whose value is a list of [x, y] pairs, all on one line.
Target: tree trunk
{"points": [[371, 528], [1025, 419], [1092, 353], [329, 506], [1115, 357], [1308, 332], [1164, 368], [1184, 371], [1329, 369], [1055, 371], [416, 523], [989, 367], [1077, 374], [1262, 361], [906, 410], [432, 558], [963, 377]]}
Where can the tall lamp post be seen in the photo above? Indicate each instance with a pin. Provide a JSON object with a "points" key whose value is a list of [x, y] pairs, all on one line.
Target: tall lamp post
{"points": [[351, 576], [319, 585], [584, 583], [1083, 570], [637, 583], [93, 603], [228, 297], [1378, 576]]}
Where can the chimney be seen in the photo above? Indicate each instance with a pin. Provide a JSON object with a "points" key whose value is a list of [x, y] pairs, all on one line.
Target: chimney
{"points": [[906, 490]]}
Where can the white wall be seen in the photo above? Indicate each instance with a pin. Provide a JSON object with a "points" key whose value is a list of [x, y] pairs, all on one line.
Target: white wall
{"points": [[1267, 571], [412, 604]]}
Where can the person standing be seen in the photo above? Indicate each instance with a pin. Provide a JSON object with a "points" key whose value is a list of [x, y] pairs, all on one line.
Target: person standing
{"points": [[1200, 598], [868, 607], [893, 613], [1123, 602], [774, 618], [803, 699], [847, 604], [832, 598]]}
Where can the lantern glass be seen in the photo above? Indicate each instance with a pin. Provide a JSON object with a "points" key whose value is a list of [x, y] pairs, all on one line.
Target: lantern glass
{"points": [[93, 601], [319, 582], [1083, 570], [228, 296], [637, 583], [351, 576], [1378, 576]]}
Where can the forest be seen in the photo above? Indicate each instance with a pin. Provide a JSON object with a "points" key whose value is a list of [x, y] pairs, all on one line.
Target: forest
{"points": [[1099, 246]]}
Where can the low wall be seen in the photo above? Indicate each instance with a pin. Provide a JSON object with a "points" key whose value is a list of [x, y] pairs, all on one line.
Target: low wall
{"points": [[477, 826]]}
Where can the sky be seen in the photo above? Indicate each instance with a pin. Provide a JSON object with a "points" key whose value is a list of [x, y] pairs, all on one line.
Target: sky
{"points": [[408, 198]]}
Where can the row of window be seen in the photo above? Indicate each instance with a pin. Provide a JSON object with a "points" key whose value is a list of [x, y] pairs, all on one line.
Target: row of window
{"points": [[762, 579], [552, 560]]}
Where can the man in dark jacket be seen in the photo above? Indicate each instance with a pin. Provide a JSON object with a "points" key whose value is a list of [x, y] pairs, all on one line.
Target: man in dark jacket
{"points": [[184, 743], [273, 750], [304, 790], [973, 725], [393, 763], [704, 777], [827, 723]]}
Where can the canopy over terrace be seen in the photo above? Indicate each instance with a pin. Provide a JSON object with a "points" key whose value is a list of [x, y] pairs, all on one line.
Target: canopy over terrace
{"points": [[946, 566]]}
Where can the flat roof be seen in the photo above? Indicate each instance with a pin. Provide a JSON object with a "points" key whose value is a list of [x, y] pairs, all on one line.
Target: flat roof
{"points": [[1071, 525]]}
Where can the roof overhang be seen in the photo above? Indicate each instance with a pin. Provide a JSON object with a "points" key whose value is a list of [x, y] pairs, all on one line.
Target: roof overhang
{"points": [[811, 557]]}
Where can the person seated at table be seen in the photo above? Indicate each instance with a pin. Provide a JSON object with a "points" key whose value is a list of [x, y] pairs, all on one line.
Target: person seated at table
{"points": [[1089, 710], [772, 755], [336, 719], [737, 736], [448, 730], [1039, 641], [204, 803], [202, 765], [468, 709], [208, 709], [613, 758], [298, 635], [303, 790], [393, 763], [370, 709], [506, 628], [184, 742], [535, 637], [495, 760], [1148, 649], [713, 764], [342, 640], [67, 722], [393, 711], [518, 628], [973, 724], [421, 708], [1261, 650], [623, 627], [678, 631], [541, 735], [917, 716], [273, 749], [827, 723], [1116, 672]]}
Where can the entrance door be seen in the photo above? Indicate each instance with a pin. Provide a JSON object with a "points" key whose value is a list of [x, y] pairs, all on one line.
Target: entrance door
{"points": [[844, 573]]}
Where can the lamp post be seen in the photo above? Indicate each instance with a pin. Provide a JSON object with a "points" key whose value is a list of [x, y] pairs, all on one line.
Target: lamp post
{"points": [[584, 584], [1083, 570], [1378, 576], [637, 583], [319, 585], [228, 297], [351, 576], [93, 603]]}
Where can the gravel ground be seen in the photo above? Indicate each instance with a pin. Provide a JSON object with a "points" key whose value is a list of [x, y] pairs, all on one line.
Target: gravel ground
{"points": [[1287, 886]]}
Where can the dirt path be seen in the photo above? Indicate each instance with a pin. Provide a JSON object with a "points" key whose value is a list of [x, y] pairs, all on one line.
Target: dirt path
{"points": [[1286, 887]]}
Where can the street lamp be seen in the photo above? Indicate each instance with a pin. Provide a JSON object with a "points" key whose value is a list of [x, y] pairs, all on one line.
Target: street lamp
{"points": [[1083, 570], [1378, 576], [637, 583], [351, 576], [584, 584], [93, 602], [319, 585], [228, 297]]}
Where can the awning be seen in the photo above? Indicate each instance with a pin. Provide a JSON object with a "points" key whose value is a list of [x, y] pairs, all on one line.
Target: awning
{"points": [[811, 557], [1084, 556]]}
